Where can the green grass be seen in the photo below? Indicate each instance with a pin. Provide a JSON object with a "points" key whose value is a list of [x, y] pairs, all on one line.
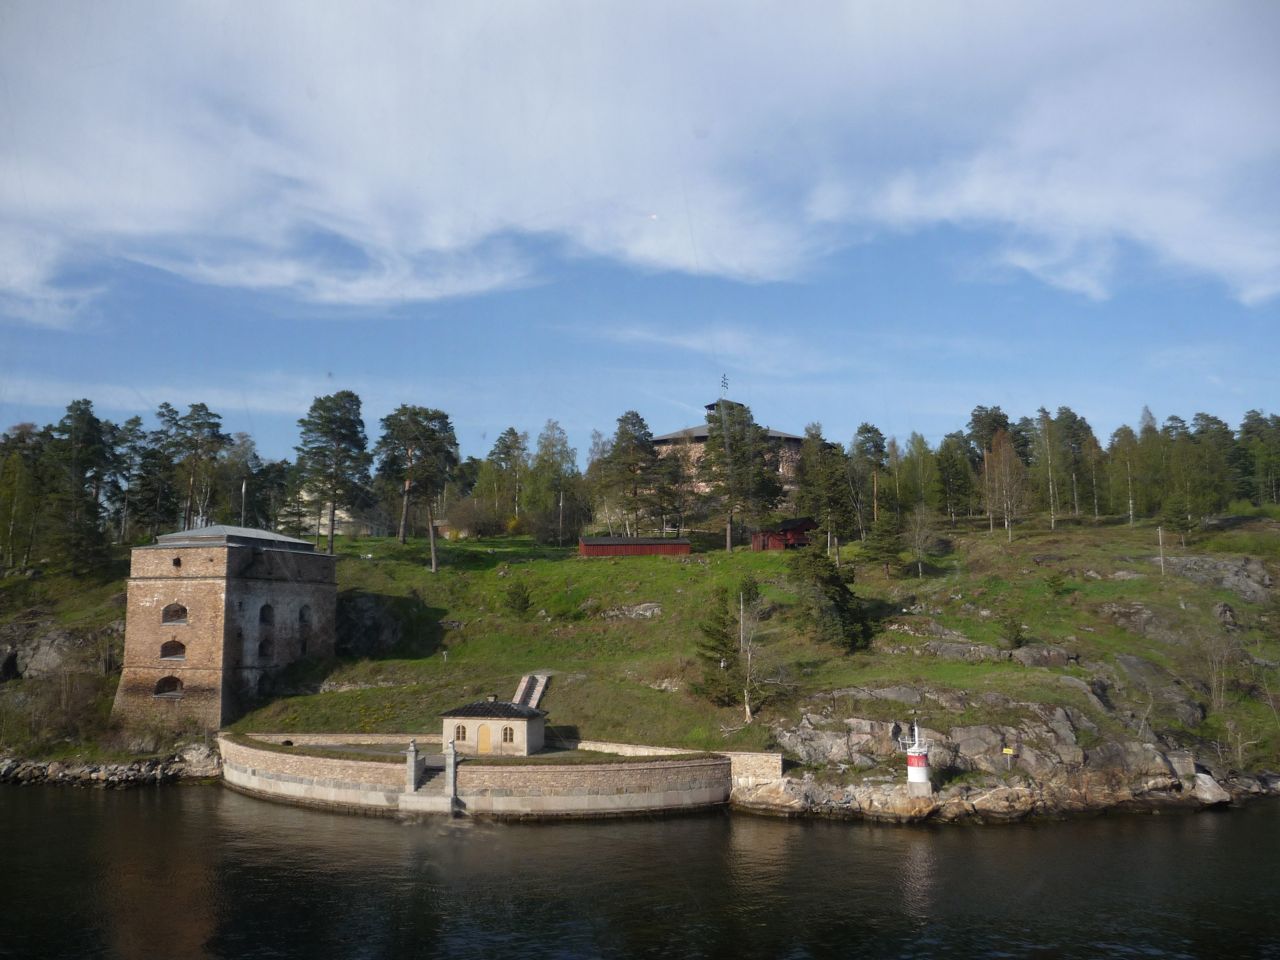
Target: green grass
{"points": [[460, 641]]}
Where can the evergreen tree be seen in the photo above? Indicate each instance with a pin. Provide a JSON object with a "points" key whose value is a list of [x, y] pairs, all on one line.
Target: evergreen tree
{"points": [[883, 544], [827, 605], [718, 652], [630, 468], [955, 483], [417, 451], [739, 465], [867, 460], [333, 453]]}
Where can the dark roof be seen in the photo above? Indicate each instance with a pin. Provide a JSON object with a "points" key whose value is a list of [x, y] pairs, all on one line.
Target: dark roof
{"points": [[631, 541], [700, 433], [495, 710], [222, 534], [797, 523]]}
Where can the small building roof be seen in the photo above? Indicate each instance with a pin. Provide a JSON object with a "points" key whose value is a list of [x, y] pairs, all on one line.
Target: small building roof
{"points": [[495, 710], [222, 533], [632, 541]]}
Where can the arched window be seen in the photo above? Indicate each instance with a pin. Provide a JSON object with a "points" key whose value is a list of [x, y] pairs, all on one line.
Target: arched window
{"points": [[304, 618], [173, 650], [460, 733], [174, 613], [266, 615], [266, 649], [169, 687], [508, 735]]}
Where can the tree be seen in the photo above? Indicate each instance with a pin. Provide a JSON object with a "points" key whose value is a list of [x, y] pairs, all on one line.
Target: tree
{"points": [[418, 451], [630, 466], [1004, 478], [555, 498], [503, 473], [822, 485], [869, 453], [884, 542], [922, 535], [739, 465], [718, 652], [984, 424], [193, 441], [333, 454], [77, 457], [955, 476], [827, 605]]}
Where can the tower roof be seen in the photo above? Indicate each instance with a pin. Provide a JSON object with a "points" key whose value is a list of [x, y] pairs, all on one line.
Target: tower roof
{"points": [[224, 535]]}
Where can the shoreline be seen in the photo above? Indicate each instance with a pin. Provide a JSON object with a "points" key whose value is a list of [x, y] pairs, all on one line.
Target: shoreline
{"points": [[795, 798]]}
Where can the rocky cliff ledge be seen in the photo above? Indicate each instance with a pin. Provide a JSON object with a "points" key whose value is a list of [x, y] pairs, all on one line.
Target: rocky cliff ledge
{"points": [[193, 761], [1053, 761]]}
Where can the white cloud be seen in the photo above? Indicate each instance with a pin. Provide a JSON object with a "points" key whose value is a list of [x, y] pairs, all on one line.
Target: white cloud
{"points": [[393, 152]]}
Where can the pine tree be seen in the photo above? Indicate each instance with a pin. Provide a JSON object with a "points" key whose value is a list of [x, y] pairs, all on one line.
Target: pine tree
{"points": [[333, 454], [417, 450], [884, 543], [718, 652], [739, 465]]}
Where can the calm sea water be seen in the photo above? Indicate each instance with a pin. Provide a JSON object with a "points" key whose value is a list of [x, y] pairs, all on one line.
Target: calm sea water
{"points": [[201, 872]]}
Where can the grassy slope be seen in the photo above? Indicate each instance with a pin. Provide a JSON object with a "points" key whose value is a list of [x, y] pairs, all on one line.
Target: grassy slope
{"points": [[607, 670]]}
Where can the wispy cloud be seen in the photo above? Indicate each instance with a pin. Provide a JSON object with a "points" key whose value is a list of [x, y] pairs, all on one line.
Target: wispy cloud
{"points": [[218, 142]]}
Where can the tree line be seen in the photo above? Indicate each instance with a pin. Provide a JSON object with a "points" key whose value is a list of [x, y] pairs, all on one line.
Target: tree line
{"points": [[70, 489]]}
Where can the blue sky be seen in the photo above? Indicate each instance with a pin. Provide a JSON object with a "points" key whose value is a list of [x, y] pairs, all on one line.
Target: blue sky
{"points": [[855, 211]]}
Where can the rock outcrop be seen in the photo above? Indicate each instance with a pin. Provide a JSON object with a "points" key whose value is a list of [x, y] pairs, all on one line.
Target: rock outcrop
{"points": [[1244, 576], [191, 761], [1052, 762]]}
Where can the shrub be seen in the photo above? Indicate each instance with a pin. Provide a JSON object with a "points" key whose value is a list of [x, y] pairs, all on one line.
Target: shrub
{"points": [[517, 599]]}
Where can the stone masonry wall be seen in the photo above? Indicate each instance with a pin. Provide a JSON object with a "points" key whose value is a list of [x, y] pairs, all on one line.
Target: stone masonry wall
{"points": [[749, 769], [382, 776], [476, 779], [196, 582]]}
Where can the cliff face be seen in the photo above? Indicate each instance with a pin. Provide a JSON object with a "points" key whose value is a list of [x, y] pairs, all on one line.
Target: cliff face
{"points": [[1048, 760]]}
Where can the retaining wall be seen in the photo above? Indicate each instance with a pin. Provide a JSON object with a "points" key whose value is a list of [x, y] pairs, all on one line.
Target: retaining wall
{"points": [[748, 769], [319, 781], [594, 790]]}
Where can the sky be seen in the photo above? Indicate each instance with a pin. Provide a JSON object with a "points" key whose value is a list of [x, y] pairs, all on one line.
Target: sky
{"points": [[882, 212]]}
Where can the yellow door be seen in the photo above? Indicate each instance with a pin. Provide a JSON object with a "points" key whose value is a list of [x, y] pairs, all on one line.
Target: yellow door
{"points": [[484, 744]]}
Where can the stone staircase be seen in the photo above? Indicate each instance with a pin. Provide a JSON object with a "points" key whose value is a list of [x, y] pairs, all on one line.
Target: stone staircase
{"points": [[532, 686]]}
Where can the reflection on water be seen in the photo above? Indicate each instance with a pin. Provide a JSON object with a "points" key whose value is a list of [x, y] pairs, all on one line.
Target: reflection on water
{"points": [[202, 872]]}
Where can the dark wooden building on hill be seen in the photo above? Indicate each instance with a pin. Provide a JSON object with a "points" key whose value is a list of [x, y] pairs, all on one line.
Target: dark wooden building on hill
{"points": [[632, 546], [787, 535]]}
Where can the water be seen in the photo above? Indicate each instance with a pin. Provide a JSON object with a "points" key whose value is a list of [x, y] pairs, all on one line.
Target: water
{"points": [[201, 872]]}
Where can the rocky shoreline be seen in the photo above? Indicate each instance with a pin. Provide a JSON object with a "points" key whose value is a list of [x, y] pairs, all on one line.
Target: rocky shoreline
{"points": [[191, 762], [995, 801]]}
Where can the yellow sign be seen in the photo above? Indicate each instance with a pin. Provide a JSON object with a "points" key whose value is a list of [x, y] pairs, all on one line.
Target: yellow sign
{"points": [[1008, 750]]}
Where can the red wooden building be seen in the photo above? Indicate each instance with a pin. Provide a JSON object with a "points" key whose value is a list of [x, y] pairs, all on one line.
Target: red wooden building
{"points": [[788, 535], [631, 546]]}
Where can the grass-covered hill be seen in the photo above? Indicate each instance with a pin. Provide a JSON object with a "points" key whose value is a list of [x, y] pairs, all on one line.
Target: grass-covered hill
{"points": [[1101, 630]]}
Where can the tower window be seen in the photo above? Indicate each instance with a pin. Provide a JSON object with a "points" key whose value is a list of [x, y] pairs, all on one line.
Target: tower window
{"points": [[267, 615], [174, 613], [173, 650], [170, 687]]}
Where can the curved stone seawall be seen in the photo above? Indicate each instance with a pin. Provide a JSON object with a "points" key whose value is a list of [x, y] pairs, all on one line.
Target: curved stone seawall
{"points": [[362, 785], [595, 790], [520, 791]]}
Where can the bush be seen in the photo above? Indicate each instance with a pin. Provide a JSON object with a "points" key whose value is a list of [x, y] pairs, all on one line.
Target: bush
{"points": [[517, 599], [1011, 631]]}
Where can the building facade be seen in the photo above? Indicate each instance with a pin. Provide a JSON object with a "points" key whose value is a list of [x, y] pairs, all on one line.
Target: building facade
{"points": [[212, 616], [494, 726]]}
